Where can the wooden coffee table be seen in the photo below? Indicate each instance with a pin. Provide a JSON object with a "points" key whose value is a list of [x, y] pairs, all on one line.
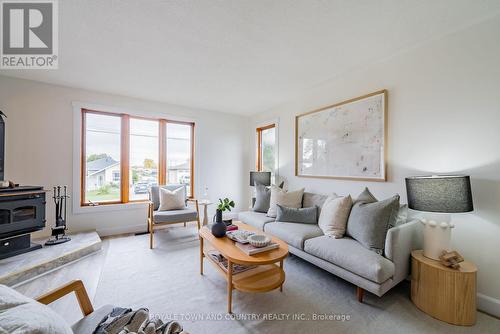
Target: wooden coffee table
{"points": [[266, 276]]}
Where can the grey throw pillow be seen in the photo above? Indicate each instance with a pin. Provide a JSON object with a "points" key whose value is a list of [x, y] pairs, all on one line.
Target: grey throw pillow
{"points": [[297, 215], [370, 219], [263, 197]]}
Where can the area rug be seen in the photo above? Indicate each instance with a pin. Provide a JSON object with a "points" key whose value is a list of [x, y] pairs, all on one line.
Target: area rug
{"points": [[166, 280]]}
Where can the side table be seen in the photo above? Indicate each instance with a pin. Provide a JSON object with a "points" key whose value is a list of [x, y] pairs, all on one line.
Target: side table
{"points": [[444, 293], [205, 203]]}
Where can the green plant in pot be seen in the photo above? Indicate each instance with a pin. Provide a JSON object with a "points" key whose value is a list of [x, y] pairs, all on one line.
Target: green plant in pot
{"points": [[219, 227]]}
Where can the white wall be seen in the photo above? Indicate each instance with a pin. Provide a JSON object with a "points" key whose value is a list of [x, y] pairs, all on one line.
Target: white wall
{"points": [[39, 147], [444, 117]]}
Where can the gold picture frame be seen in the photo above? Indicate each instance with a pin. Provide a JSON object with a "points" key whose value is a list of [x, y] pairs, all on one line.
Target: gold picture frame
{"points": [[354, 112]]}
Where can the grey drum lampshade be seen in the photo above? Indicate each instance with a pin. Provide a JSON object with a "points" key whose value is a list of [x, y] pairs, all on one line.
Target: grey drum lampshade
{"points": [[263, 178], [439, 193]]}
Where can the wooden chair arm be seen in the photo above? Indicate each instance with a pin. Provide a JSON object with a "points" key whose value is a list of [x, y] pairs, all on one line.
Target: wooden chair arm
{"points": [[74, 286], [195, 201]]}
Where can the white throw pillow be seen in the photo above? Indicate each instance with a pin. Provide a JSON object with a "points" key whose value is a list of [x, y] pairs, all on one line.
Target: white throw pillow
{"points": [[172, 200], [334, 215], [20, 314], [292, 199]]}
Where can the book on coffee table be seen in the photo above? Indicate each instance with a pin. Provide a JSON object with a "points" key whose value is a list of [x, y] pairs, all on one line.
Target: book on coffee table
{"points": [[251, 250], [222, 262]]}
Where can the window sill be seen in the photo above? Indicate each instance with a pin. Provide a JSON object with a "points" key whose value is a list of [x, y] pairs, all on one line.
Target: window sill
{"points": [[78, 209]]}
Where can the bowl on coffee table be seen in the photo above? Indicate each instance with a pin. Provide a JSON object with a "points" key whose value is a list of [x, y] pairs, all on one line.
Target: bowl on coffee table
{"points": [[259, 240]]}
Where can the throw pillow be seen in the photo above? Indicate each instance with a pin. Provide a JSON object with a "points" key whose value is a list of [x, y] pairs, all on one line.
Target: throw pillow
{"points": [[20, 314], [334, 215], [292, 199], [370, 219], [172, 200], [263, 197], [296, 215]]}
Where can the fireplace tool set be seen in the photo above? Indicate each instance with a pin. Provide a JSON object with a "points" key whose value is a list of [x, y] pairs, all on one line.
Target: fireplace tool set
{"points": [[59, 231]]}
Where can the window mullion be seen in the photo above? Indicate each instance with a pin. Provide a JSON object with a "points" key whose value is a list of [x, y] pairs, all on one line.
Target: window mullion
{"points": [[162, 177], [125, 158]]}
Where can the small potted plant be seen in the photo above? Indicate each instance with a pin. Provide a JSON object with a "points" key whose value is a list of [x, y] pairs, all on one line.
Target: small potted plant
{"points": [[219, 227]]}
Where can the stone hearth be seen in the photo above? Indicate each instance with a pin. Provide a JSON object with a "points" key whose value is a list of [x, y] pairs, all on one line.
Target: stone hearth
{"points": [[24, 267]]}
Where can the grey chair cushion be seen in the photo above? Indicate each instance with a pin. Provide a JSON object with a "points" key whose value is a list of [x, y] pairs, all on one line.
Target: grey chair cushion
{"points": [[89, 323], [299, 215], [255, 219], [370, 219], [293, 234], [154, 193], [175, 216], [311, 199], [352, 256]]}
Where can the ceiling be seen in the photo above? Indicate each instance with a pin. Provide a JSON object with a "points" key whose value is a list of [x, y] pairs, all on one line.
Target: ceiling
{"points": [[238, 56]]}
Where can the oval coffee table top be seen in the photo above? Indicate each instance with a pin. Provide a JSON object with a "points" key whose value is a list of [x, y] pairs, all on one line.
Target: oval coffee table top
{"points": [[228, 249]]}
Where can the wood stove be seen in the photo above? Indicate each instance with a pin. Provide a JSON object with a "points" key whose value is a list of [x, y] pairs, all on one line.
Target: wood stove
{"points": [[22, 211]]}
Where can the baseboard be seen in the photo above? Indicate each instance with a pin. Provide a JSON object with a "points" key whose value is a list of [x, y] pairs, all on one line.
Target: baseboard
{"points": [[103, 232], [488, 305]]}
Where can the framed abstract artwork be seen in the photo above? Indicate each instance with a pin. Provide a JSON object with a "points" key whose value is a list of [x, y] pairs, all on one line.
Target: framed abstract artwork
{"points": [[346, 140]]}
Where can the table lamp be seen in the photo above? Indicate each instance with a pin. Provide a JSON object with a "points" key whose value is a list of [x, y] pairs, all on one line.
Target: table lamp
{"points": [[263, 178], [442, 194]]}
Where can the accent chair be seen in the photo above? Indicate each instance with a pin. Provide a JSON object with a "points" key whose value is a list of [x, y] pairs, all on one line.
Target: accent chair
{"points": [[157, 218]]}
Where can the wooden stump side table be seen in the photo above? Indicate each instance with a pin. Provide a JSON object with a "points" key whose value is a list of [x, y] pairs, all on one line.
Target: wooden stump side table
{"points": [[444, 293]]}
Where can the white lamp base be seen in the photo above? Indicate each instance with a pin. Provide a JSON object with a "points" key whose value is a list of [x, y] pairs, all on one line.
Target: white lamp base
{"points": [[437, 237]]}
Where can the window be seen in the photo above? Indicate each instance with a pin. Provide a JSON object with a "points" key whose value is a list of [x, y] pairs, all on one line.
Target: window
{"points": [[102, 158], [178, 151], [123, 156], [266, 148], [144, 157]]}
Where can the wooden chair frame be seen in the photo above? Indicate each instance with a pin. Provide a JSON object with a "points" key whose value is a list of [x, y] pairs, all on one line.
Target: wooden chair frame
{"points": [[151, 223], [75, 286]]}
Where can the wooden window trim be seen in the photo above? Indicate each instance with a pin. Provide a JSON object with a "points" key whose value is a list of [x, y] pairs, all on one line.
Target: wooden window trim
{"points": [[125, 155], [258, 164]]}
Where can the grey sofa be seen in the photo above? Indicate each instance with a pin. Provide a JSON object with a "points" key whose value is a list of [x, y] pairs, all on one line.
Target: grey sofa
{"points": [[345, 257]]}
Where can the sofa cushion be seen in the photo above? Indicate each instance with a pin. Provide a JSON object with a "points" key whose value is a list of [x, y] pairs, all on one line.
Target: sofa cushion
{"points": [[293, 234], [297, 215], [175, 216], [352, 256], [255, 219]]}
